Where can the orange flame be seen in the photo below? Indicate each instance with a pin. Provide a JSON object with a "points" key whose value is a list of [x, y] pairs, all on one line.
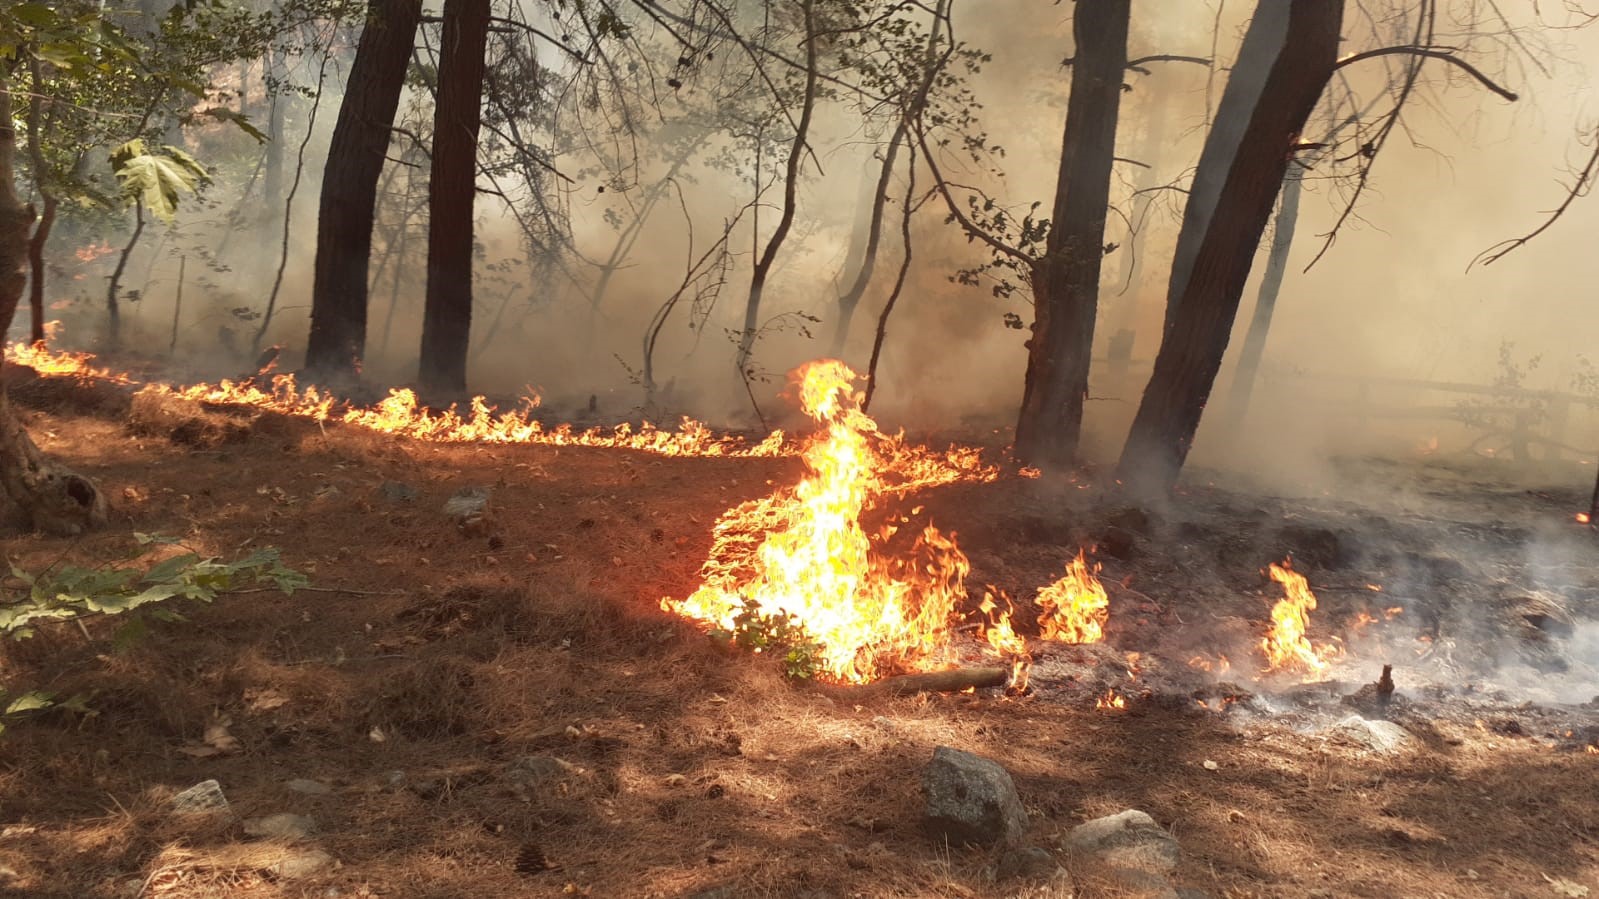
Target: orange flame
{"points": [[1074, 608], [1003, 639], [1111, 701], [56, 363], [802, 552], [1584, 518], [1287, 645]]}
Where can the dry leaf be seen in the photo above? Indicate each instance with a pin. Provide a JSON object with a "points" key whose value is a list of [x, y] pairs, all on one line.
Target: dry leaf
{"points": [[1564, 887], [264, 699]]}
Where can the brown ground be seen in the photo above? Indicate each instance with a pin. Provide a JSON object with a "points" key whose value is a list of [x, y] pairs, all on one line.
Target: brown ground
{"points": [[688, 768]]}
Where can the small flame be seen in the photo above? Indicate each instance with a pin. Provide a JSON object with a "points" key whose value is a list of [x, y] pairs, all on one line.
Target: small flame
{"points": [[1110, 701], [1591, 749], [1584, 518], [1003, 639], [1220, 666], [60, 364], [1074, 608], [1287, 645]]}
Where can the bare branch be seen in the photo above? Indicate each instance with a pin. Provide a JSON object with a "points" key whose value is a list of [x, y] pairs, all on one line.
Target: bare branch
{"points": [[1432, 53], [1579, 189], [1137, 65], [955, 213]]}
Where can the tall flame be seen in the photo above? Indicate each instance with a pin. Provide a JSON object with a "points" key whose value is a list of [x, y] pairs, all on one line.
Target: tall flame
{"points": [[1287, 645], [802, 553], [1074, 608]]}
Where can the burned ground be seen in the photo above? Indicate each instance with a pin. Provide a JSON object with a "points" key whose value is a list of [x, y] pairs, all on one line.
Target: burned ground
{"points": [[510, 713]]}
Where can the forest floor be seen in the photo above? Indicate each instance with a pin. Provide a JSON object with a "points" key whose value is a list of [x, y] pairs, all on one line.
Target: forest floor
{"points": [[512, 714]]}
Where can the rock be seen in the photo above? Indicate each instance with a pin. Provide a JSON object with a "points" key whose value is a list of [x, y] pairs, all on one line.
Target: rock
{"points": [[282, 826], [1130, 849], [397, 492], [971, 799], [300, 864], [204, 797], [467, 503], [308, 787], [1027, 862], [1376, 735]]}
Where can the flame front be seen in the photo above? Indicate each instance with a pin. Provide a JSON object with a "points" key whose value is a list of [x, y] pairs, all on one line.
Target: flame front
{"points": [[802, 553], [1287, 645], [996, 629], [1074, 609]]}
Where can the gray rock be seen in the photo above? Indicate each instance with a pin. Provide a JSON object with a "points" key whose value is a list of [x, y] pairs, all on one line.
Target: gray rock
{"points": [[1128, 839], [971, 799], [1026, 862], [396, 492], [302, 863], [282, 826], [308, 787], [1378, 736], [204, 797], [468, 503]]}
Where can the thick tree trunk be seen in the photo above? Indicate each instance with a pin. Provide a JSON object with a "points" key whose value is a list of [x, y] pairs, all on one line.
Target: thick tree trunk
{"points": [[51, 498], [1191, 352], [1271, 283], [349, 188], [1245, 83], [1066, 279], [447, 315]]}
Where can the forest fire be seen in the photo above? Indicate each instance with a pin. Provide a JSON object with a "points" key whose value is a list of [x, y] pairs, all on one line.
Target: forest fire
{"points": [[54, 363], [1287, 645], [803, 554], [1111, 701], [997, 631], [1074, 608]]}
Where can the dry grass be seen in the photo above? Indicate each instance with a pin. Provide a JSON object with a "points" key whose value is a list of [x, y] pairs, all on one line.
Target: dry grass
{"points": [[680, 768]]}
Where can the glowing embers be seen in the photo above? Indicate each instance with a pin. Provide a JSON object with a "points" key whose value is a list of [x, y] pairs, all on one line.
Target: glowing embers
{"points": [[1074, 609], [803, 554], [1287, 645]]}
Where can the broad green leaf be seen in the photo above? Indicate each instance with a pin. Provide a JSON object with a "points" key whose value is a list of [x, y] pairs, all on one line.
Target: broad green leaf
{"points": [[156, 179], [165, 571], [30, 701]]}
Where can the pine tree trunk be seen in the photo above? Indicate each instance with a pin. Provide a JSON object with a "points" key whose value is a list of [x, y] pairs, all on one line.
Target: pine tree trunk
{"points": [[51, 498], [447, 315], [349, 188], [1203, 314], [1066, 279], [1271, 283]]}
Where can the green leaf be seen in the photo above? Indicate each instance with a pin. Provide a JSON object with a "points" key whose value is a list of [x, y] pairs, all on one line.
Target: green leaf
{"points": [[158, 179], [35, 15], [30, 701], [166, 571], [147, 539]]}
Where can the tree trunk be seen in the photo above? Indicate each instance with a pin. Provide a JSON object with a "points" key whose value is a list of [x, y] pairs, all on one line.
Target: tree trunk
{"points": [[785, 221], [42, 180], [349, 188], [447, 315], [1066, 279], [277, 106], [851, 298], [1245, 84], [1191, 352], [51, 498], [1271, 282]]}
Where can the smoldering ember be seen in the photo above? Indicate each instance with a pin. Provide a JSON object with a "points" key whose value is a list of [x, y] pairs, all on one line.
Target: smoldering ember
{"points": [[798, 449]]}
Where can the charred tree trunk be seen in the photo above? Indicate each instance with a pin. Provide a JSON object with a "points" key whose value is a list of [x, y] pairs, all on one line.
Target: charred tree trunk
{"points": [[349, 188], [1066, 278], [447, 315], [50, 498], [1271, 283], [41, 232], [1299, 65]]}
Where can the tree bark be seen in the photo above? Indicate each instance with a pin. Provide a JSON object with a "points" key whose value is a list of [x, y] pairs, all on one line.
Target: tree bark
{"points": [[1246, 81], [349, 188], [1191, 352], [42, 180], [447, 314], [851, 298], [1066, 278], [1271, 282], [50, 498]]}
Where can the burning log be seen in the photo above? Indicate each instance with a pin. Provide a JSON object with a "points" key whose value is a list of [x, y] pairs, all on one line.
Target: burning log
{"points": [[954, 680]]}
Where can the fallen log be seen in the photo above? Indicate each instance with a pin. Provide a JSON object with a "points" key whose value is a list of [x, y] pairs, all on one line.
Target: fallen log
{"points": [[952, 681]]}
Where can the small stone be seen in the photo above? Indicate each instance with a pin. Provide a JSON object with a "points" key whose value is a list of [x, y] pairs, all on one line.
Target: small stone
{"points": [[396, 492], [205, 796], [971, 799], [1027, 863], [282, 826], [301, 864], [1210, 765], [467, 503], [308, 787], [1375, 735], [1129, 848]]}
